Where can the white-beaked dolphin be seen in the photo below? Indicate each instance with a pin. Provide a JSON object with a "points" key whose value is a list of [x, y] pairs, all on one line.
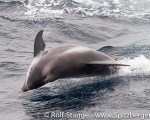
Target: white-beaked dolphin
{"points": [[65, 61]]}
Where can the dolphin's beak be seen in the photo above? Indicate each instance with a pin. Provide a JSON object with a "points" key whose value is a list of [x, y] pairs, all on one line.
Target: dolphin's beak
{"points": [[25, 87]]}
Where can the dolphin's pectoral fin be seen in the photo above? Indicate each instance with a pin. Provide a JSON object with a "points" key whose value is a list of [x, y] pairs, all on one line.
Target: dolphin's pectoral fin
{"points": [[39, 44], [49, 78], [106, 63]]}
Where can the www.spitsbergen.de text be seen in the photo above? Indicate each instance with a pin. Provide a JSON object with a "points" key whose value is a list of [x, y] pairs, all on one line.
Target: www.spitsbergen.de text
{"points": [[82, 116]]}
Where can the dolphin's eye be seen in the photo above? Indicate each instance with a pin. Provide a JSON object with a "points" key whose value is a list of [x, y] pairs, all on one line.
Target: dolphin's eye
{"points": [[44, 77]]}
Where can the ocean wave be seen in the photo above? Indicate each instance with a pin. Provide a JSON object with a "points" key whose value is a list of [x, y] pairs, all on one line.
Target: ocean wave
{"points": [[129, 10], [118, 9]]}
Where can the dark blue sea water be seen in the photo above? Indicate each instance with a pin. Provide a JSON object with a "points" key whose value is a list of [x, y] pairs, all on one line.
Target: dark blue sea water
{"points": [[118, 28]]}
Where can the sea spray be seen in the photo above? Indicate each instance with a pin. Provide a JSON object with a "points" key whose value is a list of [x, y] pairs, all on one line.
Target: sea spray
{"points": [[138, 65]]}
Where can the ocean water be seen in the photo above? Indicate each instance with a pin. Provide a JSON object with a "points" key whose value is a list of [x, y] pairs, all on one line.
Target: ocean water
{"points": [[118, 28]]}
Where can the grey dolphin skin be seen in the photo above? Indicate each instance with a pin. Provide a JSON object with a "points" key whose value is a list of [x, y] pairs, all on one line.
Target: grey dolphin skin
{"points": [[65, 61]]}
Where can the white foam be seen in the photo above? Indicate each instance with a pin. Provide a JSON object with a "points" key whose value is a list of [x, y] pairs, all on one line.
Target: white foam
{"points": [[116, 1], [138, 65], [87, 2], [42, 9]]}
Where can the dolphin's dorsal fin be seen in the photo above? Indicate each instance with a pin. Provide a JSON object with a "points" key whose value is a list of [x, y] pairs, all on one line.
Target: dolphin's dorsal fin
{"points": [[39, 44]]}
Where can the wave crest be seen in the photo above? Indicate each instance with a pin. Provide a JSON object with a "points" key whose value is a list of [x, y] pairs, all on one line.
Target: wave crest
{"points": [[103, 8]]}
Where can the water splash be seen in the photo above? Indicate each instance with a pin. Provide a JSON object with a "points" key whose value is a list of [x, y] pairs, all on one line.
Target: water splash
{"points": [[138, 65]]}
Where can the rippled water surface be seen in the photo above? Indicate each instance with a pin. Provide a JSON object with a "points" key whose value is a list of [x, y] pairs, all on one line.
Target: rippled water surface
{"points": [[118, 28]]}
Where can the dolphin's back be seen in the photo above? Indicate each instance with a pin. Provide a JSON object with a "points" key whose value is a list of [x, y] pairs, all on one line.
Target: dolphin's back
{"points": [[81, 55], [66, 61]]}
